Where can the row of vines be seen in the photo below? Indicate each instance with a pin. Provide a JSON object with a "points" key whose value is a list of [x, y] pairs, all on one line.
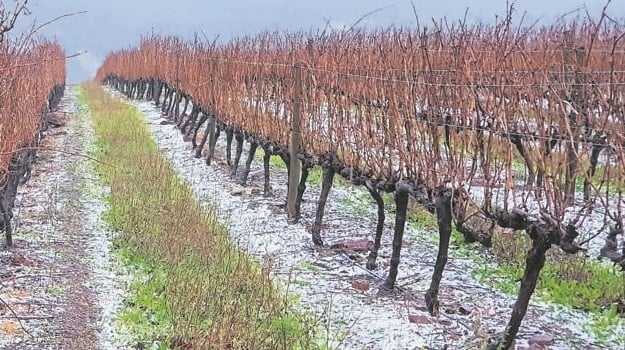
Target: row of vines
{"points": [[489, 127], [32, 81]]}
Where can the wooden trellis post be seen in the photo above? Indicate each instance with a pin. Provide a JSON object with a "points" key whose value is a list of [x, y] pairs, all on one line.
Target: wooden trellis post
{"points": [[574, 61], [296, 143]]}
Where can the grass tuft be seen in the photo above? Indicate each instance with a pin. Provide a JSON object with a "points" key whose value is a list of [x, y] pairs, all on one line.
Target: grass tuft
{"points": [[200, 292]]}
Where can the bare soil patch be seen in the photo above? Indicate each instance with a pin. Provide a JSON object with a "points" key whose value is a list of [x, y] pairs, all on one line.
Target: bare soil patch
{"points": [[50, 278]]}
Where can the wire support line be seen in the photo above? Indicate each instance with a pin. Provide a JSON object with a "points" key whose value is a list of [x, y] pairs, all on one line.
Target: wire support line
{"points": [[547, 83]]}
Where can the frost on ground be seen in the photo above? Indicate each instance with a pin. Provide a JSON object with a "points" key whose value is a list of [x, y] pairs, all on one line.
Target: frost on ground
{"points": [[334, 286], [59, 277]]}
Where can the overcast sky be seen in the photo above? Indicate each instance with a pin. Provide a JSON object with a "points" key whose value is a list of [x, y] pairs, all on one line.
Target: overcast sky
{"points": [[109, 25]]}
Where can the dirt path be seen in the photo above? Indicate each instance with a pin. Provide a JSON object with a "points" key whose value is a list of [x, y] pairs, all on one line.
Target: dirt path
{"points": [[58, 278]]}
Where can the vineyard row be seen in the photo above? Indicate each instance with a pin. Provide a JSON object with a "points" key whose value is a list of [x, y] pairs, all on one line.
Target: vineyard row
{"points": [[32, 82], [446, 116]]}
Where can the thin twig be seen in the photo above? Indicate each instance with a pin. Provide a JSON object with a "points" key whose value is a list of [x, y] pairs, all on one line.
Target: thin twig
{"points": [[18, 318], [37, 148]]}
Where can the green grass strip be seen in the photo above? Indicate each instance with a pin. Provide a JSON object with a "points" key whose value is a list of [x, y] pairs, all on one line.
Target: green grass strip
{"points": [[195, 289]]}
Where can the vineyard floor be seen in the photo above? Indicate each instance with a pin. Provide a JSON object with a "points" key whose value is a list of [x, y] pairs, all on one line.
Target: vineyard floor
{"points": [[61, 280], [333, 284], [64, 285]]}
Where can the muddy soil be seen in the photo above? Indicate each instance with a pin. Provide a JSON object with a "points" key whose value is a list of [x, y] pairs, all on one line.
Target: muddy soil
{"points": [[58, 284]]}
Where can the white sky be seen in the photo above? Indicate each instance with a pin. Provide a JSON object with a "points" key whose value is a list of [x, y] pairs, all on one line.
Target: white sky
{"points": [[109, 25]]}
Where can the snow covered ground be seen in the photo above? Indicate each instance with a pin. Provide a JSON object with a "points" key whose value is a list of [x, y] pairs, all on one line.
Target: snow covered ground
{"points": [[335, 287], [60, 278]]}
